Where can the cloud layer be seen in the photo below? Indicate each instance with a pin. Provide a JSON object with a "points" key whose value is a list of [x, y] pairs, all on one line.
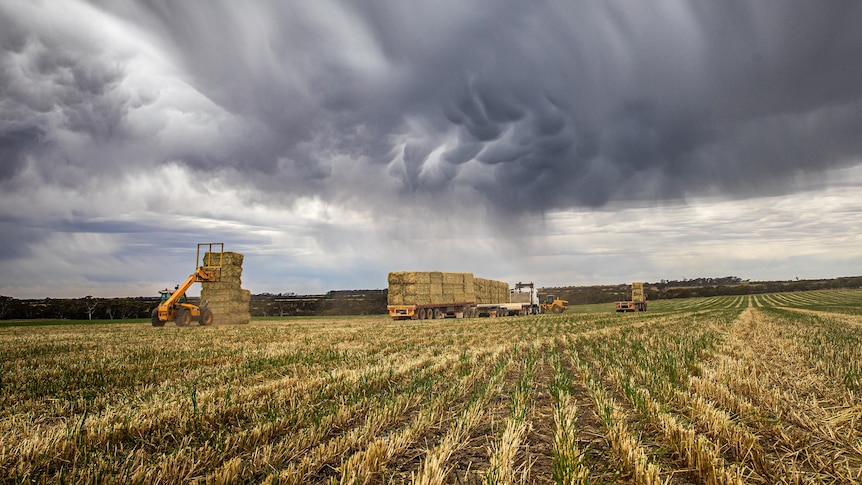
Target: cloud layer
{"points": [[141, 118]]}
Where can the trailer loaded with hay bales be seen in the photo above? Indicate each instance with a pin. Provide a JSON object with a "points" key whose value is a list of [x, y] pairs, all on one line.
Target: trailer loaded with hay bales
{"points": [[428, 295], [636, 301]]}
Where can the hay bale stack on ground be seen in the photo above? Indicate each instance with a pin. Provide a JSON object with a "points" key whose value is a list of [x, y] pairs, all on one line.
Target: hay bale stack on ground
{"points": [[225, 297]]}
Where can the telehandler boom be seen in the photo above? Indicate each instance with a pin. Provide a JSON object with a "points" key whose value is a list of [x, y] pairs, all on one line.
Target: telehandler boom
{"points": [[173, 306]]}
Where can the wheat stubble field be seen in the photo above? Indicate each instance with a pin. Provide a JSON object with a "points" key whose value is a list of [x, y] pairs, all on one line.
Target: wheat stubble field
{"points": [[753, 389]]}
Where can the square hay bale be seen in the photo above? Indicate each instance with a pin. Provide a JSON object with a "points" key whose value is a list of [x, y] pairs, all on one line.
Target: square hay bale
{"points": [[435, 278], [396, 278], [227, 258]]}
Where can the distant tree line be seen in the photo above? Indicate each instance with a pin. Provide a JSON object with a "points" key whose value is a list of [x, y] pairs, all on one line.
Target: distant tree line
{"points": [[86, 308], [698, 287], [372, 302], [350, 302], [336, 302]]}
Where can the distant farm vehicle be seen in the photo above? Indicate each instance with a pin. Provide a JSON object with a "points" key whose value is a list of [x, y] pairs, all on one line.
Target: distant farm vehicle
{"points": [[636, 301], [173, 305], [553, 304]]}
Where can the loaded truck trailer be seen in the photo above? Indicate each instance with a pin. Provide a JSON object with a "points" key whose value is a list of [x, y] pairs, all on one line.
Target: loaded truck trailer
{"points": [[421, 295], [636, 301], [433, 294]]}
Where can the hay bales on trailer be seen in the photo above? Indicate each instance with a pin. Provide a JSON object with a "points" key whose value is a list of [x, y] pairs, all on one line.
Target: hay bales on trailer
{"points": [[225, 297], [491, 291], [638, 291], [436, 287], [430, 288]]}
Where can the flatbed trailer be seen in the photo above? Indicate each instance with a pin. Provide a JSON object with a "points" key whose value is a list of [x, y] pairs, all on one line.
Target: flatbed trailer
{"points": [[433, 311], [504, 309], [631, 306]]}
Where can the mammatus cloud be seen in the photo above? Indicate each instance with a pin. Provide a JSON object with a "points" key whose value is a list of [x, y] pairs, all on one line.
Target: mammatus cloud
{"points": [[533, 107], [448, 112]]}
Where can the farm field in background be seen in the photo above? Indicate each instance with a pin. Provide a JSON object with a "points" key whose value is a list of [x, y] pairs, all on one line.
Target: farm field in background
{"points": [[737, 389]]}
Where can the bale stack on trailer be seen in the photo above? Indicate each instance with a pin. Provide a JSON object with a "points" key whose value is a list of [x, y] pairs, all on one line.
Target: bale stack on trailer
{"points": [[638, 291], [435, 294], [429, 288], [637, 300], [225, 297], [490, 291]]}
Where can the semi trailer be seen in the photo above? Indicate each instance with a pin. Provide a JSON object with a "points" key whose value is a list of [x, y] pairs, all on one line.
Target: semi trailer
{"points": [[433, 294]]}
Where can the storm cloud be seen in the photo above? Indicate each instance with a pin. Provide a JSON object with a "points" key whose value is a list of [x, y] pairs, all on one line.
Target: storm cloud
{"points": [[511, 108], [562, 104]]}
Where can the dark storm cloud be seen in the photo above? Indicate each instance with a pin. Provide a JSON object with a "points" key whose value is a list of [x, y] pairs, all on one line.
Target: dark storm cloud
{"points": [[556, 104]]}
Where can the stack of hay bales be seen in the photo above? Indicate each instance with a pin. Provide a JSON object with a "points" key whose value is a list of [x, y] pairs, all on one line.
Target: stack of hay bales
{"points": [[638, 291], [491, 291], [430, 288], [458, 287], [436, 287], [227, 300]]}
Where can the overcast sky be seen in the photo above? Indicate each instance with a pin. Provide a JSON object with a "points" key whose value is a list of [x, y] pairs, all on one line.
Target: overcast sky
{"points": [[560, 142]]}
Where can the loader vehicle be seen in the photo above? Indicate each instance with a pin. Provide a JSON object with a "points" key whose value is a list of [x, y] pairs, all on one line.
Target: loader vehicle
{"points": [[174, 305], [553, 304]]}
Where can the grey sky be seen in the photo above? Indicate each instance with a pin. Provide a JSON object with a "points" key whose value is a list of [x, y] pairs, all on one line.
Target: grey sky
{"points": [[334, 141]]}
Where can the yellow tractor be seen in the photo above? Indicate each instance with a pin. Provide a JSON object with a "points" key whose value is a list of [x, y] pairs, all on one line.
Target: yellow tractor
{"points": [[554, 305], [173, 305]]}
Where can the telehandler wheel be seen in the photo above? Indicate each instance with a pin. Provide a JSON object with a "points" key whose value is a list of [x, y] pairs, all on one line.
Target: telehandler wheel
{"points": [[184, 317], [557, 309], [156, 321], [206, 317]]}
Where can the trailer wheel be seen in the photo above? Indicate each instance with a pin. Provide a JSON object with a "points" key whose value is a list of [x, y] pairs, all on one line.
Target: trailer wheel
{"points": [[156, 321], [184, 317], [423, 315], [438, 313]]}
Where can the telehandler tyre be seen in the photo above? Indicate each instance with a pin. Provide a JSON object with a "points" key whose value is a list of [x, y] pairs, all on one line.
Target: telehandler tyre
{"points": [[184, 317], [206, 317], [156, 321]]}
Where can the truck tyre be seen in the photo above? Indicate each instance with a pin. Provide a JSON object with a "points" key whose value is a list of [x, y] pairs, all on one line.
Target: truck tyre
{"points": [[184, 317], [206, 317], [156, 321], [438, 313], [422, 315]]}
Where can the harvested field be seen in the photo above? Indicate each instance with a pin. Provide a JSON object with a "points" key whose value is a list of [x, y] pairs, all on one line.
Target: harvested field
{"points": [[742, 389]]}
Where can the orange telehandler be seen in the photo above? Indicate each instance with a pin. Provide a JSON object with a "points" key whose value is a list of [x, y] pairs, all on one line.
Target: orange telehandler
{"points": [[173, 306]]}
